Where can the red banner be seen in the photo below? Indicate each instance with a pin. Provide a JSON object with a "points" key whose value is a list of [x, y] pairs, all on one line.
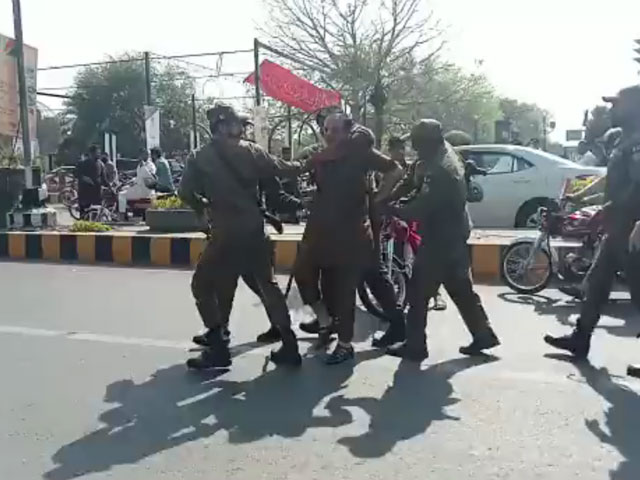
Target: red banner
{"points": [[285, 86]]}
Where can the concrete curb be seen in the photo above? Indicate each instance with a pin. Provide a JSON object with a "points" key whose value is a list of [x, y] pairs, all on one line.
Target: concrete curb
{"points": [[174, 250]]}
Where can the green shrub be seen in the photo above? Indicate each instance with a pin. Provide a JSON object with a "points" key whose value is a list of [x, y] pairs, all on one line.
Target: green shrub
{"points": [[168, 203], [85, 226]]}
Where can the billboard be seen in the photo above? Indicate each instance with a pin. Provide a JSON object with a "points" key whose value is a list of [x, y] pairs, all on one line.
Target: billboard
{"points": [[9, 101]]}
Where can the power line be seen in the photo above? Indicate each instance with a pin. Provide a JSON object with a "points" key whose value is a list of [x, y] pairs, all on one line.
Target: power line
{"points": [[208, 54], [90, 64]]}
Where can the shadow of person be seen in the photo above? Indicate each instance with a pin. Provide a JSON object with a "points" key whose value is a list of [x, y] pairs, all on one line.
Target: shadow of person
{"points": [[622, 419], [563, 310], [407, 408], [172, 408]]}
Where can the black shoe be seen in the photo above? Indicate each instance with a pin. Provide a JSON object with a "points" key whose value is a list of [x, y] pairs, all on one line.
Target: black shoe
{"points": [[390, 337], [209, 359], [633, 371], [407, 352], [270, 336], [480, 343], [312, 327], [287, 356], [577, 345], [439, 304], [203, 339], [573, 291], [340, 354]]}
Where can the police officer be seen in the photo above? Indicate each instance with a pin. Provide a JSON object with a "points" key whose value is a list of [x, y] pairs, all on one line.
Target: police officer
{"points": [[226, 172], [443, 255], [622, 211]]}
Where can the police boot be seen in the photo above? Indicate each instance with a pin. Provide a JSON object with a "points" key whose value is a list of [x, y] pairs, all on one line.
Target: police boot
{"points": [[215, 356], [407, 351], [203, 339], [394, 334], [287, 354], [480, 343], [578, 343], [270, 336]]}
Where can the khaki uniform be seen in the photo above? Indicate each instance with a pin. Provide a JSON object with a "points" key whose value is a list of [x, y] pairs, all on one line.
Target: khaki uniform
{"points": [[239, 245], [337, 243], [443, 255]]}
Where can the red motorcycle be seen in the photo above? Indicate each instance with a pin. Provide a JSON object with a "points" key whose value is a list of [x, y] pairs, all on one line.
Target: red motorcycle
{"points": [[528, 265]]}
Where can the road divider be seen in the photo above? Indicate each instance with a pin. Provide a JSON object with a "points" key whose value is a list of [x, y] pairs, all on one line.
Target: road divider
{"points": [[183, 250]]}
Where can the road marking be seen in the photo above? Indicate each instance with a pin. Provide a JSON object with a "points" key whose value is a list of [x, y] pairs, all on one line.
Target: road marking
{"points": [[94, 337]]}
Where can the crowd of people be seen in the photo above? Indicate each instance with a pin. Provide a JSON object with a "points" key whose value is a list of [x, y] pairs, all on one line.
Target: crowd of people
{"points": [[356, 186]]}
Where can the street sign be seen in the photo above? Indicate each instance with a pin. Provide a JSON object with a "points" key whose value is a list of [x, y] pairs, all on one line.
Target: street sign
{"points": [[574, 135]]}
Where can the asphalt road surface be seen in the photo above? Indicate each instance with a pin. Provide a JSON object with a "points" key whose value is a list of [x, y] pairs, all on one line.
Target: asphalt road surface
{"points": [[94, 387]]}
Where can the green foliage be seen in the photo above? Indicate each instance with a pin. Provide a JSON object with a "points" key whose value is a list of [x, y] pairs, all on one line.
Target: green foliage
{"points": [[85, 226], [526, 118], [112, 96], [169, 203], [9, 159]]}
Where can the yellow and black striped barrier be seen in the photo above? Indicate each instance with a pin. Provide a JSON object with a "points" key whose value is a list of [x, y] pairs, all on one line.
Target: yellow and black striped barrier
{"points": [[129, 248]]}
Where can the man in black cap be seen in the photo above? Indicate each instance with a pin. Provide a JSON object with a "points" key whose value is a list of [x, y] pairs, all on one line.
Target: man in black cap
{"points": [[226, 173], [443, 255], [622, 212]]}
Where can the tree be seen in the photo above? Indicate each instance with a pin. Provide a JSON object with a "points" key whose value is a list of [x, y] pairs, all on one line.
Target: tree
{"points": [[111, 96], [49, 133], [527, 118], [597, 123], [358, 47]]}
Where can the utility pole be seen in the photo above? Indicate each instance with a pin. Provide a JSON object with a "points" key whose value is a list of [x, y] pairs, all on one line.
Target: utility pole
{"points": [[147, 77], [256, 68], [22, 92], [194, 121]]}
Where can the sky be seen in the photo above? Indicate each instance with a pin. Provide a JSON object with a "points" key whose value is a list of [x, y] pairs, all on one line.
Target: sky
{"points": [[561, 54]]}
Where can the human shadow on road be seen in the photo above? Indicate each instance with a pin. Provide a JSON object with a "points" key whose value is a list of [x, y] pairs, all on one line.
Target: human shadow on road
{"points": [[562, 310], [407, 408], [174, 407], [622, 417]]}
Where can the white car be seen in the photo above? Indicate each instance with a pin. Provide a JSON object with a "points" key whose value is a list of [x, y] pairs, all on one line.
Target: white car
{"points": [[520, 180]]}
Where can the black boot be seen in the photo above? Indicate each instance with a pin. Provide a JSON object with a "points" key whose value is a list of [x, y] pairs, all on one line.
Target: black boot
{"points": [[203, 339], [394, 334], [312, 327], [270, 336], [409, 352], [574, 291], [287, 354], [481, 343], [212, 358], [577, 344], [340, 354]]}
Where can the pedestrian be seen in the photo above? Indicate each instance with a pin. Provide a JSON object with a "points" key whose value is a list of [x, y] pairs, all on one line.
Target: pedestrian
{"points": [[396, 147], [164, 180], [621, 214], [443, 255], [226, 173], [110, 171], [337, 242], [91, 177]]}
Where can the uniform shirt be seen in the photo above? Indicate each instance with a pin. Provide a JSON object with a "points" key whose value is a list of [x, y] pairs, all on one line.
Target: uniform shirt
{"points": [[338, 230], [622, 188], [439, 206], [233, 201]]}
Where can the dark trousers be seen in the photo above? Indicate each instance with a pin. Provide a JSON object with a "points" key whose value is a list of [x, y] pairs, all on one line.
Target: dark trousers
{"points": [[450, 268], [216, 278], [334, 285], [611, 258]]}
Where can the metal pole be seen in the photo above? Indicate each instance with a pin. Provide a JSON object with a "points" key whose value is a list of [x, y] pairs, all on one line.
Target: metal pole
{"points": [[147, 76], [256, 70], [194, 121], [22, 92], [289, 128]]}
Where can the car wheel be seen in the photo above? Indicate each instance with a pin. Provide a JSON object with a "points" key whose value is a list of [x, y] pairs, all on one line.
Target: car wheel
{"points": [[527, 216]]}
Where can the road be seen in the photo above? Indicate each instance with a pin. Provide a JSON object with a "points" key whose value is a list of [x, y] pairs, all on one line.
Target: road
{"points": [[93, 387]]}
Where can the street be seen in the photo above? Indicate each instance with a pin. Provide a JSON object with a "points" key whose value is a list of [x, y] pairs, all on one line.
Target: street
{"points": [[94, 387]]}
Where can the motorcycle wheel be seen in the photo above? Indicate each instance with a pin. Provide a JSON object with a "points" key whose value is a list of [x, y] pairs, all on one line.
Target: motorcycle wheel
{"points": [[399, 280], [536, 278]]}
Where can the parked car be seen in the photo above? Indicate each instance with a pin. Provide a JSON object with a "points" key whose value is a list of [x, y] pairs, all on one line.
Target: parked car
{"points": [[520, 180]]}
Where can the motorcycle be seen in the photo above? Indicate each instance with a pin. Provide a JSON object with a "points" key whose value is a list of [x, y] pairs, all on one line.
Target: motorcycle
{"points": [[529, 265]]}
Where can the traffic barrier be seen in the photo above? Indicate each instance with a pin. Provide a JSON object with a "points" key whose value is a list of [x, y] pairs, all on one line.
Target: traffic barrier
{"points": [[172, 250]]}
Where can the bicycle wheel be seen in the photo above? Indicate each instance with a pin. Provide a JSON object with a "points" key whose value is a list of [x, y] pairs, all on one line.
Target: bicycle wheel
{"points": [[523, 278], [68, 197], [399, 280], [74, 211]]}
